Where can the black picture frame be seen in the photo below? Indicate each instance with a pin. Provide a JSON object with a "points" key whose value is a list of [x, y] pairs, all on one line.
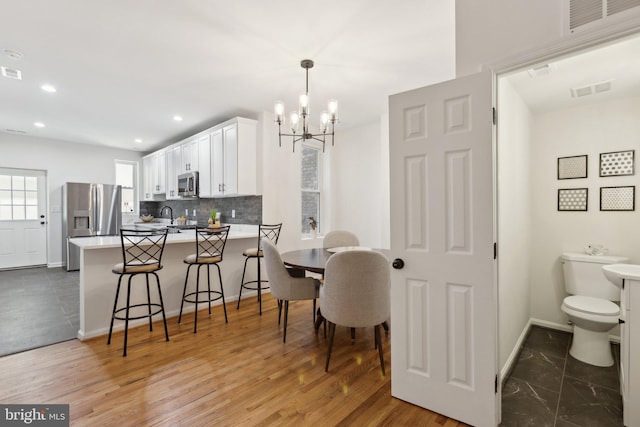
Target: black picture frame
{"points": [[573, 199], [619, 198], [573, 167], [617, 163]]}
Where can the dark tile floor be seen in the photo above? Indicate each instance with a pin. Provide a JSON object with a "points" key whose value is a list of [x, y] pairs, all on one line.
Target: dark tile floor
{"points": [[40, 306], [548, 387]]}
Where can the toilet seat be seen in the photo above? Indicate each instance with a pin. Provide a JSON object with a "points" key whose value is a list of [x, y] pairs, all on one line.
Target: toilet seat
{"points": [[592, 305]]}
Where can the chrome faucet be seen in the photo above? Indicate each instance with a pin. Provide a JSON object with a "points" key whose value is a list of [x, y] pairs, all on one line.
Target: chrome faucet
{"points": [[170, 212]]}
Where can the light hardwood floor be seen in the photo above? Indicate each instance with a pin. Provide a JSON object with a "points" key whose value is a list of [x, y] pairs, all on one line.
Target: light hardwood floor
{"points": [[238, 373]]}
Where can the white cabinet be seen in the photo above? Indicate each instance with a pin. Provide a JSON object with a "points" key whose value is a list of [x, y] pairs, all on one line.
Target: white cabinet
{"points": [[630, 346], [174, 162], [190, 155], [204, 165], [233, 158], [154, 175]]}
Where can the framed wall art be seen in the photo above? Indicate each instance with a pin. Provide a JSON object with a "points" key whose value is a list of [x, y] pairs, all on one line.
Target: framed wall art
{"points": [[573, 199], [572, 167], [618, 198], [617, 163]]}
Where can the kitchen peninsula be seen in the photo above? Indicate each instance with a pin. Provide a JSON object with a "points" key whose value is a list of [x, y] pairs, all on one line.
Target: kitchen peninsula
{"points": [[98, 284]]}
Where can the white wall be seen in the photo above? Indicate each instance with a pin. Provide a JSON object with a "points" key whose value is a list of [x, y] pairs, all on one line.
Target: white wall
{"points": [[514, 218], [591, 130], [489, 30], [360, 183], [63, 162]]}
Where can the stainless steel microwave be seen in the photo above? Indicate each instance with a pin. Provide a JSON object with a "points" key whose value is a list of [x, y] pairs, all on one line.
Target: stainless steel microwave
{"points": [[188, 184]]}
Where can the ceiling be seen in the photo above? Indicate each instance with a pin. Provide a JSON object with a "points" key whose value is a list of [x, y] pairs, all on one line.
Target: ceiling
{"points": [[617, 63], [123, 69]]}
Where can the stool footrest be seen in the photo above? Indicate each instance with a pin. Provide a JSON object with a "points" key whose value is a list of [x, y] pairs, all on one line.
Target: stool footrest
{"points": [[144, 316], [244, 285], [200, 301]]}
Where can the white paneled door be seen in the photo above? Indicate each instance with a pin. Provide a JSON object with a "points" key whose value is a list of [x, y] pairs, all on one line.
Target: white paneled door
{"points": [[23, 228], [443, 299]]}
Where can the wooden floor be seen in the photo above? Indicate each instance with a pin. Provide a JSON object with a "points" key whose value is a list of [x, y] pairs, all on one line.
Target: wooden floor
{"points": [[238, 373]]}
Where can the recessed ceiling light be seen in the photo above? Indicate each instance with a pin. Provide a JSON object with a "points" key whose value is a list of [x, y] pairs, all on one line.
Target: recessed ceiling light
{"points": [[48, 88], [13, 54], [38, 124], [138, 140], [177, 118], [11, 73]]}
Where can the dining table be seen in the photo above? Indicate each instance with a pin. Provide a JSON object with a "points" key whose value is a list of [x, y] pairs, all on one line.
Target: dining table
{"points": [[315, 260]]}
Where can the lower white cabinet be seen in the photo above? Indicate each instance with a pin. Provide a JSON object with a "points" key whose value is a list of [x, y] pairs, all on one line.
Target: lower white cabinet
{"points": [[630, 346]]}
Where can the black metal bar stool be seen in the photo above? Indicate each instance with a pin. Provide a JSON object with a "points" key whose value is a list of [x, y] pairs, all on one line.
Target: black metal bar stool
{"points": [[141, 254], [265, 231], [210, 243]]}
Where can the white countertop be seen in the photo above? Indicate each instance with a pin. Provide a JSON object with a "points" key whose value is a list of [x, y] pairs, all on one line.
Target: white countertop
{"points": [[237, 231]]}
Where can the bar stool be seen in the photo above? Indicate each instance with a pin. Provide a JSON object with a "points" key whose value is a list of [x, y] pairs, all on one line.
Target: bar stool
{"points": [[210, 243], [141, 254], [265, 231]]}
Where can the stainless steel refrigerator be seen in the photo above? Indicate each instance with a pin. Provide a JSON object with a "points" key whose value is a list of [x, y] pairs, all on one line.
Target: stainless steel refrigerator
{"points": [[88, 210]]}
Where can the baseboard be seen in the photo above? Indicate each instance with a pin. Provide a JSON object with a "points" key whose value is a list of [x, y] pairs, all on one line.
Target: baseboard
{"points": [[54, 264], [513, 356]]}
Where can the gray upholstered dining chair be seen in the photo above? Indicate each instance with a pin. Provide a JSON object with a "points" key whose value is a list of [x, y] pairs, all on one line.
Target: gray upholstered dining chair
{"points": [[284, 287], [356, 293], [338, 238]]}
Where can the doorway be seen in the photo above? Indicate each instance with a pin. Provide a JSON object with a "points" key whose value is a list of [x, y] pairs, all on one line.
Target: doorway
{"points": [[580, 106], [23, 222]]}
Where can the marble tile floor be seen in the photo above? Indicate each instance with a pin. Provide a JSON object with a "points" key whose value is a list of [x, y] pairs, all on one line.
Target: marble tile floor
{"points": [[548, 387], [40, 306]]}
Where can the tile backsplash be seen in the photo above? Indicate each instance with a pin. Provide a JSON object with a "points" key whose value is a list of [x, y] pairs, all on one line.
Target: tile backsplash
{"points": [[248, 209]]}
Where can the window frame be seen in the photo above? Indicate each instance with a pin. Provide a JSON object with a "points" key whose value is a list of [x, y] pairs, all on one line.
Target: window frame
{"points": [[136, 184], [318, 148]]}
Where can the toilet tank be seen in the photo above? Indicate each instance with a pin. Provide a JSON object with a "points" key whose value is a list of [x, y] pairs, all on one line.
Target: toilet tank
{"points": [[583, 275]]}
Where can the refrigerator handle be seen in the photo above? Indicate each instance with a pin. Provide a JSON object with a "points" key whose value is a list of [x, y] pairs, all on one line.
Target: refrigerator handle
{"points": [[95, 206]]}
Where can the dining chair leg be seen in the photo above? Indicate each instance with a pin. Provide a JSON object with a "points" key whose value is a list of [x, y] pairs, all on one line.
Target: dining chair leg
{"points": [[332, 332], [126, 319], [146, 276], [314, 311], [353, 336], [379, 345], [385, 325], [279, 310], [286, 317]]}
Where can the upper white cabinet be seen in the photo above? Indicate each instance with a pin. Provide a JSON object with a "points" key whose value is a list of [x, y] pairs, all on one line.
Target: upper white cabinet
{"points": [[233, 158], [174, 162], [190, 155], [224, 157], [154, 175]]}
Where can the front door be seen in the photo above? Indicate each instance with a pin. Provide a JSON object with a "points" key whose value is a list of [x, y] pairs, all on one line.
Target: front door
{"points": [[443, 300], [23, 229]]}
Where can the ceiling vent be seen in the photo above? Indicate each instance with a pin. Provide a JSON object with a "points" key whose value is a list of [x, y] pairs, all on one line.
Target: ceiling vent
{"points": [[583, 12], [11, 73], [579, 92]]}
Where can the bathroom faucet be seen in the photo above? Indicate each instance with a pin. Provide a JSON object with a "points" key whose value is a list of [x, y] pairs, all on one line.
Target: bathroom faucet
{"points": [[170, 212]]}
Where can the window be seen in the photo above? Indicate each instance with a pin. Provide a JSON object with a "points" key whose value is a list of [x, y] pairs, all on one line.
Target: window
{"points": [[127, 177], [18, 197], [310, 186]]}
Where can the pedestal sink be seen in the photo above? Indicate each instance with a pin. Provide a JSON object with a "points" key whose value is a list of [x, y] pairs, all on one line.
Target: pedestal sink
{"points": [[616, 273]]}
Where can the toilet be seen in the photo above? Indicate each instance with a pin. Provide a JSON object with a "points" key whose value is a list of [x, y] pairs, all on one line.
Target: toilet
{"points": [[590, 306]]}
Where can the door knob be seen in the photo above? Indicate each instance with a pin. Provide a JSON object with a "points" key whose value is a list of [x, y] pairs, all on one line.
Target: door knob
{"points": [[397, 263]]}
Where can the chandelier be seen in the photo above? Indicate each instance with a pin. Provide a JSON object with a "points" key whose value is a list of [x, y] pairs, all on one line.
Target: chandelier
{"points": [[327, 118]]}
